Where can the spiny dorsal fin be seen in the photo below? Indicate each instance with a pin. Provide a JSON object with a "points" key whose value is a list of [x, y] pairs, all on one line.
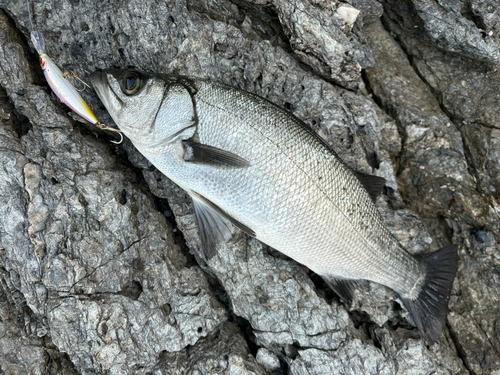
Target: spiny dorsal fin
{"points": [[372, 184], [204, 154], [213, 224]]}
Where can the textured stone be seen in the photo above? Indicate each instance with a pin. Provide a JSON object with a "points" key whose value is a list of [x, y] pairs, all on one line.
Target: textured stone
{"points": [[467, 93], [97, 276]]}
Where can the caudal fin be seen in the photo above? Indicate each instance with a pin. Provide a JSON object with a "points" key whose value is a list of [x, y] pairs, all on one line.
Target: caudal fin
{"points": [[429, 309]]}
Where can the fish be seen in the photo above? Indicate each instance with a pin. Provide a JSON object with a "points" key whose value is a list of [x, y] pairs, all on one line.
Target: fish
{"points": [[63, 89], [249, 163]]}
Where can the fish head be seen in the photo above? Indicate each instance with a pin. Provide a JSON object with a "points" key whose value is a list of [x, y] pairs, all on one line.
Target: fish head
{"points": [[133, 100]]}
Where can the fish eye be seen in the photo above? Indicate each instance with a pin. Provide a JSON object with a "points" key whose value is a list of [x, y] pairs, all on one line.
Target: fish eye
{"points": [[131, 83]]}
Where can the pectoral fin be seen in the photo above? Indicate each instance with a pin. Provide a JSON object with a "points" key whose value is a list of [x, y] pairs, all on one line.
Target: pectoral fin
{"points": [[214, 224], [204, 154], [372, 184]]}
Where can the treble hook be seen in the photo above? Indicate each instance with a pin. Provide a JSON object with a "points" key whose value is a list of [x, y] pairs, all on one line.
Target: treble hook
{"points": [[106, 127], [72, 74]]}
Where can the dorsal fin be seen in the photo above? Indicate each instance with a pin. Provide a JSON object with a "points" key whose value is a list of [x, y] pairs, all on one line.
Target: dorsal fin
{"points": [[372, 184]]}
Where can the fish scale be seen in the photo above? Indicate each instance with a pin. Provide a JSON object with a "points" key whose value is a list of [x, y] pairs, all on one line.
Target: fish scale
{"points": [[246, 161], [293, 151]]}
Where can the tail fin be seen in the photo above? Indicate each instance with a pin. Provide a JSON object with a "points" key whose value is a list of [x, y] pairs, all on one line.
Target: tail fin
{"points": [[429, 309]]}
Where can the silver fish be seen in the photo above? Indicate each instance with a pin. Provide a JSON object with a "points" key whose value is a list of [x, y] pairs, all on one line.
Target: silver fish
{"points": [[246, 161]]}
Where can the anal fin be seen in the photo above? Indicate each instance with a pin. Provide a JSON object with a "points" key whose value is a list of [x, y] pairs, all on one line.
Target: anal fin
{"points": [[345, 288]]}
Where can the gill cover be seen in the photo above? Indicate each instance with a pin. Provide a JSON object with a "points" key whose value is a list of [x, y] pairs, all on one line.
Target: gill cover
{"points": [[177, 114]]}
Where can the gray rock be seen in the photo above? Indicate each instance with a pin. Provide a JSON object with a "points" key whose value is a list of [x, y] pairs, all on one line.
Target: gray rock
{"points": [[321, 38], [466, 91], [97, 276], [267, 359], [86, 246]]}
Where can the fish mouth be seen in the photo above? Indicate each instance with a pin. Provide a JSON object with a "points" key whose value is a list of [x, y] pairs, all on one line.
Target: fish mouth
{"points": [[107, 90], [101, 86]]}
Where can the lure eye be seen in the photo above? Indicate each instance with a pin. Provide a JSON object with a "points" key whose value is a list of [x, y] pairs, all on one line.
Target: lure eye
{"points": [[131, 83]]}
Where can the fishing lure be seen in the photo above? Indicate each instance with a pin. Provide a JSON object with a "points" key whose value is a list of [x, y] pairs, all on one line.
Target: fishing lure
{"points": [[64, 90]]}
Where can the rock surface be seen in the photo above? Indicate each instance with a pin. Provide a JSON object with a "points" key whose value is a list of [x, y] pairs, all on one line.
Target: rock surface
{"points": [[100, 265]]}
